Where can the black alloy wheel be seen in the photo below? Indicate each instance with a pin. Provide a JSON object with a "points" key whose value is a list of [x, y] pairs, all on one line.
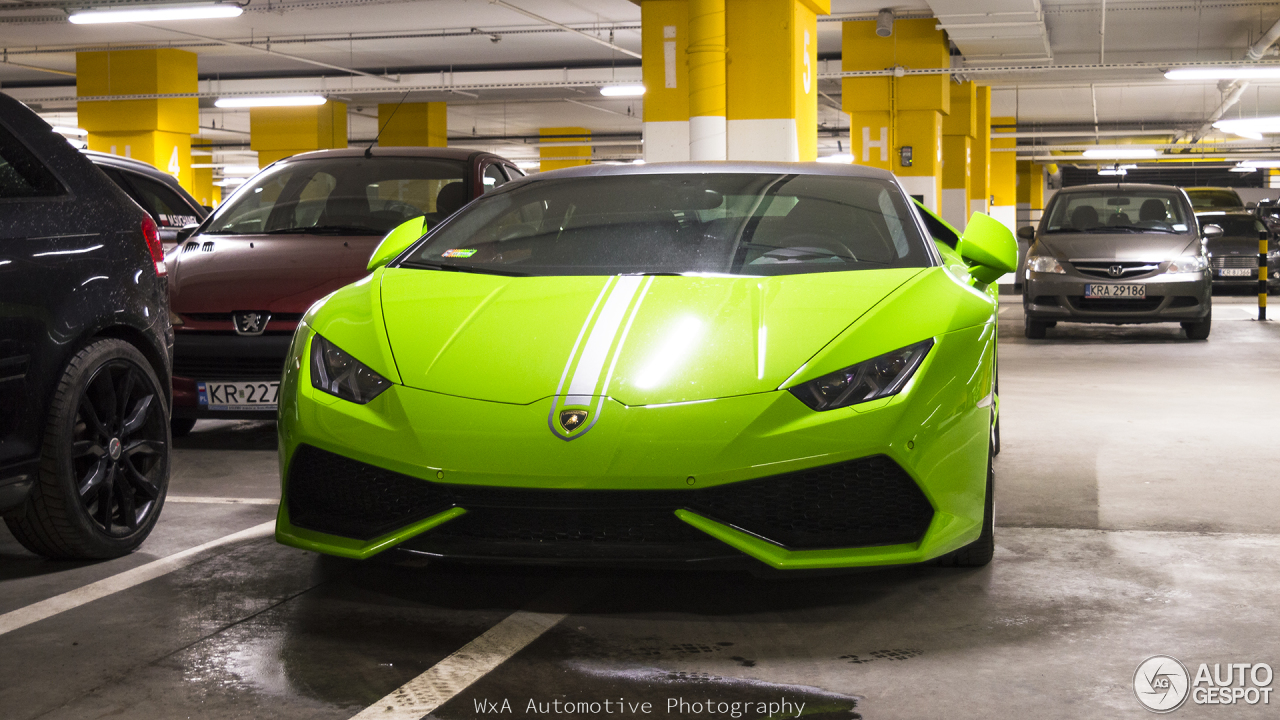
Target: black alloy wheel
{"points": [[105, 465]]}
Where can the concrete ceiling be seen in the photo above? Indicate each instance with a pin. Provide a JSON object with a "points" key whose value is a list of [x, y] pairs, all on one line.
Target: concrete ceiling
{"points": [[415, 41]]}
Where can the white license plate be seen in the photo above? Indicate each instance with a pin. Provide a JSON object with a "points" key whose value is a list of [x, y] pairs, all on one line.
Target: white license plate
{"points": [[239, 395], [1115, 291], [1238, 272]]}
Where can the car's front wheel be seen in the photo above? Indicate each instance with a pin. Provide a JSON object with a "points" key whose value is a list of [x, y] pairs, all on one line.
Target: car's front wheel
{"points": [[1035, 329], [104, 465], [1199, 330]]}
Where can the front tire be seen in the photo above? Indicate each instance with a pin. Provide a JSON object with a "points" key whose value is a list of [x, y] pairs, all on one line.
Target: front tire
{"points": [[104, 466], [1199, 330], [1035, 329]]}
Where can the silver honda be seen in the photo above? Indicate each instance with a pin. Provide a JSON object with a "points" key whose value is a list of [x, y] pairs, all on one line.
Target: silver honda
{"points": [[1118, 253]]}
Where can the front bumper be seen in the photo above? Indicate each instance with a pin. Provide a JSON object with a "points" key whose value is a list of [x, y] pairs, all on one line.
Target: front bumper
{"points": [[1169, 298], [682, 483]]}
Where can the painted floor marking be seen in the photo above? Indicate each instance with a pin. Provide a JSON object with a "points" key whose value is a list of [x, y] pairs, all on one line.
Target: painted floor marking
{"points": [[1002, 310], [444, 680], [70, 600], [220, 500]]}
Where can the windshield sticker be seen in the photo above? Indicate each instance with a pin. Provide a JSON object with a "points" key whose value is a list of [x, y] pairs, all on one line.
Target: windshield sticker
{"points": [[459, 252]]}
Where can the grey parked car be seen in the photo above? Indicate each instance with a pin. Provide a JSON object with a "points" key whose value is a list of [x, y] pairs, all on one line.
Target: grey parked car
{"points": [[1118, 253], [1234, 256]]}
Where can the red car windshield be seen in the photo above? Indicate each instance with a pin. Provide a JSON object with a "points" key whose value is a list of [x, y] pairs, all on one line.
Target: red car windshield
{"points": [[343, 196]]}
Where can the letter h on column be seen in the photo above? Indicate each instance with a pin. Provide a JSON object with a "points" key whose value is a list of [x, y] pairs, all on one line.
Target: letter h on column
{"points": [[883, 144]]}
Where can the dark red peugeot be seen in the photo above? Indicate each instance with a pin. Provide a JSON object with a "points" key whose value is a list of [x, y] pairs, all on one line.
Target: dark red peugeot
{"points": [[296, 231]]}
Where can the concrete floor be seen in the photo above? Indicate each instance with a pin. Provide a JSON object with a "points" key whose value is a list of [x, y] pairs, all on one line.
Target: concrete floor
{"points": [[1138, 514]]}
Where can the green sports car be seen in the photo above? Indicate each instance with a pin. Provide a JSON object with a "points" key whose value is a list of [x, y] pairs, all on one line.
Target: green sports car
{"points": [[781, 365]]}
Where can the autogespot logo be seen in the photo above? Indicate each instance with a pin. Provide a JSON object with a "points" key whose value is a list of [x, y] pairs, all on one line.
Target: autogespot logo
{"points": [[1161, 683]]}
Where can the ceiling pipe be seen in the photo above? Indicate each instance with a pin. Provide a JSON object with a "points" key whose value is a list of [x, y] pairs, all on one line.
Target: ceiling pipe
{"points": [[1236, 88], [548, 21]]}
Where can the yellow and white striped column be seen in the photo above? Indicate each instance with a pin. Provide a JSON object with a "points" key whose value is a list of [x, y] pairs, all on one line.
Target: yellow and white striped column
{"points": [[959, 129], [154, 131], [707, 92], [422, 124], [980, 177], [664, 37], [1004, 174], [563, 147], [279, 132], [889, 115], [772, 101]]}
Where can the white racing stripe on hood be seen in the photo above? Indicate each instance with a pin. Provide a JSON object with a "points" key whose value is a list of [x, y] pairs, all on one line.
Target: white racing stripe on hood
{"points": [[596, 353]]}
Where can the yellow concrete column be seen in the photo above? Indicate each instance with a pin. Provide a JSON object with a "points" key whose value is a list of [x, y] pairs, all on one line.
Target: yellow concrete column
{"points": [[1004, 174], [706, 53], [889, 115], [980, 176], [202, 186], [559, 156], [153, 131], [664, 39], [958, 131], [278, 132], [1030, 192], [424, 124], [772, 99]]}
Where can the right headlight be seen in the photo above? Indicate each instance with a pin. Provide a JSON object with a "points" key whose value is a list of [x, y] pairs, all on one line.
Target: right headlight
{"points": [[1188, 264], [868, 380], [1045, 264], [334, 371]]}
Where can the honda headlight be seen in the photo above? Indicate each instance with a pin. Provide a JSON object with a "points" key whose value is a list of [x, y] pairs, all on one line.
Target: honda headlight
{"points": [[334, 371], [1188, 264], [1044, 264], [868, 380]]}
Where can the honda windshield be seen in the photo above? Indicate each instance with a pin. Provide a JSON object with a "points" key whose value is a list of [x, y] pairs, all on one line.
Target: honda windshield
{"points": [[1119, 210], [342, 196], [669, 224]]}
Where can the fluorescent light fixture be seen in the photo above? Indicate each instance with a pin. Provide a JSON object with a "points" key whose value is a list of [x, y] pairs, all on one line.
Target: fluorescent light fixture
{"points": [[1255, 164], [1255, 72], [837, 158], [1252, 128], [1121, 153], [77, 144], [241, 170], [622, 90], [157, 13], [638, 161], [272, 101], [1243, 169], [1113, 171], [231, 182], [529, 164], [64, 130]]}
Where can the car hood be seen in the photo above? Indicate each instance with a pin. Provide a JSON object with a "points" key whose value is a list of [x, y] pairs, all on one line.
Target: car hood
{"points": [[225, 273], [640, 340], [1117, 246]]}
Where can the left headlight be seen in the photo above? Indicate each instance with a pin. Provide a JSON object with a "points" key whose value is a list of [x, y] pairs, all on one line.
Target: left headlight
{"points": [[868, 380], [334, 371], [1188, 264]]}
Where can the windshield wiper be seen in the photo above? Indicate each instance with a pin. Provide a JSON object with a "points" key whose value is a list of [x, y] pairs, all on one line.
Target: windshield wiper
{"points": [[1130, 228], [326, 230], [447, 267]]}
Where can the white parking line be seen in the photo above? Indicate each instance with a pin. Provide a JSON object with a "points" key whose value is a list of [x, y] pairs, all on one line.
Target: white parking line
{"points": [[1002, 310], [220, 500], [36, 612], [444, 680], [1250, 311]]}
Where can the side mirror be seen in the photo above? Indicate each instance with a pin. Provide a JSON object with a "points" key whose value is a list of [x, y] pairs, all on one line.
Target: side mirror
{"points": [[1212, 232], [405, 234], [1027, 233], [185, 232], [988, 247]]}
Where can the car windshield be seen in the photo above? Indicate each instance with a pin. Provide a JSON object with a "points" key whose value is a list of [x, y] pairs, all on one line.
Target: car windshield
{"points": [[1235, 226], [343, 196], [1118, 210], [1214, 198], [734, 223]]}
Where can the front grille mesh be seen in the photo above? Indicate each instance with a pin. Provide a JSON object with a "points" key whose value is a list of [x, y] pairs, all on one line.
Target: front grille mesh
{"points": [[1128, 269], [1234, 261], [228, 368], [1116, 305], [865, 502]]}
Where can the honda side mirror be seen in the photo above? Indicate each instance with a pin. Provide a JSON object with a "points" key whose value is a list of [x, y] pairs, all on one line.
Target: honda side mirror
{"points": [[1027, 233], [988, 247], [1212, 232], [396, 241]]}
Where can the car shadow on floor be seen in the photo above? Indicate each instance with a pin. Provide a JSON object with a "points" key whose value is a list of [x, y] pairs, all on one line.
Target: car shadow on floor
{"points": [[229, 435]]}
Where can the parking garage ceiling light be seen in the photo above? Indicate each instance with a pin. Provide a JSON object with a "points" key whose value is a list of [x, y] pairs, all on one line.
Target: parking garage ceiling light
{"points": [[1260, 72], [157, 13], [72, 131], [1255, 164], [836, 158], [1252, 128], [277, 101], [240, 170], [622, 90], [1121, 153]]}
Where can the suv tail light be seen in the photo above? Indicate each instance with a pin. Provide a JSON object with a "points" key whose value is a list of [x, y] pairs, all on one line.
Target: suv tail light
{"points": [[151, 234]]}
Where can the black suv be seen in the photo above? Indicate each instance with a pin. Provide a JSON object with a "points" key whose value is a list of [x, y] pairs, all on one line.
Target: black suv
{"points": [[85, 350]]}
